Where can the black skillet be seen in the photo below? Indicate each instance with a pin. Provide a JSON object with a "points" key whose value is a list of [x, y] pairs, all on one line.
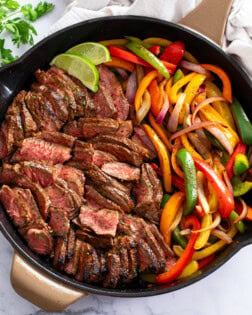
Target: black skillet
{"points": [[33, 277]]}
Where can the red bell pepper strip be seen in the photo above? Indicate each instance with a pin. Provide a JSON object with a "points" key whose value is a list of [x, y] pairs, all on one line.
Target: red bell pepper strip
{"points": [[156, 168], [178, 182], [155, 50], [126, 55], [240, 148], [205, 261], [185, 258], [169, 66], [224, 196], [174, 53]]}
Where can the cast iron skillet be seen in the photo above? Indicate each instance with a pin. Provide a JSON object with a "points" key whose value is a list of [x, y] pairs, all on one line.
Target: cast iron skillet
{"points": [[19, 75]]}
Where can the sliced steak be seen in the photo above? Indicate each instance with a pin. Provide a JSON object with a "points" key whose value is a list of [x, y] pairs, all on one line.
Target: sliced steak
{"points": [[74, 129], [92, 127], [100, 242], [34, 149], [121, 171], [151, 155], [147, 259], [112, 278], [112, 84], [59, 222], [60, 253], [56, 137], [103, 102], [102, 222], [121, 249], [71, 267], [132, 258], [95, 272], [70, 243], [85, 263], [73, 177]]}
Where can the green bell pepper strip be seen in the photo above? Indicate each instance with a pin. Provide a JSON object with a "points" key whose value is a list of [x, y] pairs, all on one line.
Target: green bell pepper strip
{"points": [[240, 225], [242, 188], [242, 122], [185, 160], [241, 164], [138, 40], [165, 198], [178, 75], [178, 238], [147, 56]]}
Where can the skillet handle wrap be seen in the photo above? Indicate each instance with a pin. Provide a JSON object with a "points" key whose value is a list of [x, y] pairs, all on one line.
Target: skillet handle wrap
{"points": [[209, 18], [41, 290]]}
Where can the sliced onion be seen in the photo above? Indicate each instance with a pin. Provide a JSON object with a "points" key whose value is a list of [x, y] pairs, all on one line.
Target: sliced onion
{"points": [[187, 121], [185, 232], [222, 235], [201, 194], [123, 73], [177, 219], [199, 145], [195, 126], [139, 73], [163, 111], [215, 223], [227, 181], [194, 67], [145, 107], [172, 124], [221, 137], [202, 135], [205, 103], [144, 138], [244, 211], [131, 88], [222, 228]]}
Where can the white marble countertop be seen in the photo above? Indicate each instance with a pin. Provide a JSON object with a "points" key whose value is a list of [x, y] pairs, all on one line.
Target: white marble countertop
{"points": [[225, 292]]}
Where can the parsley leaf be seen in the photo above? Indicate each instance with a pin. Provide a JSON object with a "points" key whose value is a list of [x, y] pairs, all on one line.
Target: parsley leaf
{"points": [[33, 14], [9, 4], [5, 54]]}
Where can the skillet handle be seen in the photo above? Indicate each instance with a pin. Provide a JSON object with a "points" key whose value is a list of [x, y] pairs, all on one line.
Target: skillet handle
{"points": [[209, 18], [41, 290]]}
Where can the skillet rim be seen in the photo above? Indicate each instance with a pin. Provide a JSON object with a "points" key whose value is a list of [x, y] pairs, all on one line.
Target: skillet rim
{"points": [[97, 289]]}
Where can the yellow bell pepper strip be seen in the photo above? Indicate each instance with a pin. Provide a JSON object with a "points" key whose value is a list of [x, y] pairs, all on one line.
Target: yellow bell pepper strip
{"points": [[145, 107], [186, 162], [160, 130], [191, 268], [188, 147], [143, 86], [204, 235], [169, 213], [175, 166], [210, 114], [220, 106], [156, 97], [212, 198], [177, 86], [163, 155], [120, 63], [227, 88], [178, 238], [175, 271], [240, 225], [208, 251], [168, 90], [191, 91], [116, 42], [241, 164]]}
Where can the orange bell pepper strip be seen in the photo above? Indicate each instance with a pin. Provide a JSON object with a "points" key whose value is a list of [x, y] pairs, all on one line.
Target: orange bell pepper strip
{"points": [[156, 97], [160, 130], [178, 85], [169, 213], [227, 88], [189, 147], [174, 164], [143, 86], [120, 63], [174, 272], [221, 107], [163, 155]]}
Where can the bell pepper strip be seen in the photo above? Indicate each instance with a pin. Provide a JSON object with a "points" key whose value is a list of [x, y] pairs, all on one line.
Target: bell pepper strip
{"points": [[214, 141], [242, 122], [177, 86], [242, 188], [189, 147], [178, 75], [189, 57], [184, 260], [191, 268], [169, 213], [186, 162], [178, 182], [169, 66], [240, 148], [120, 63], [225, 198], [160, 130], [142, 88], [241, 164], [155, 50], [168, 91], [174, 52], [212, 198], [220, 106], [238, 209], [145, 107], [163, 155], [174, 164], [203, 262], [137, 40], [116, 42], [156, 168], [210, 114], [204, 235], [227, 88], [157, 41], [165, 198], [208, 251], [148, 57], [178, 238], [239, 225], [156, 97]]}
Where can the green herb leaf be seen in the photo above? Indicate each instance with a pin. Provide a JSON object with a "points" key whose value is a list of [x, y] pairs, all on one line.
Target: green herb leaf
{"points": [[5, 54], [32, 14], [9, 4]]}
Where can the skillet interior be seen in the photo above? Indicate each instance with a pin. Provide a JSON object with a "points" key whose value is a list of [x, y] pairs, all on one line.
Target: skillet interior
{"points": [[19, 75]]}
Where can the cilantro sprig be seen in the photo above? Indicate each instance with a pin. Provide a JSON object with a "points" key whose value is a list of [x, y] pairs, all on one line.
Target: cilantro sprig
{"points": [[16, 20]]}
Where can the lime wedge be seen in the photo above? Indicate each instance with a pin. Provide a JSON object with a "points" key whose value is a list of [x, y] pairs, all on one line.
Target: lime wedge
{"points": [[80, 68], [95, 52]]}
